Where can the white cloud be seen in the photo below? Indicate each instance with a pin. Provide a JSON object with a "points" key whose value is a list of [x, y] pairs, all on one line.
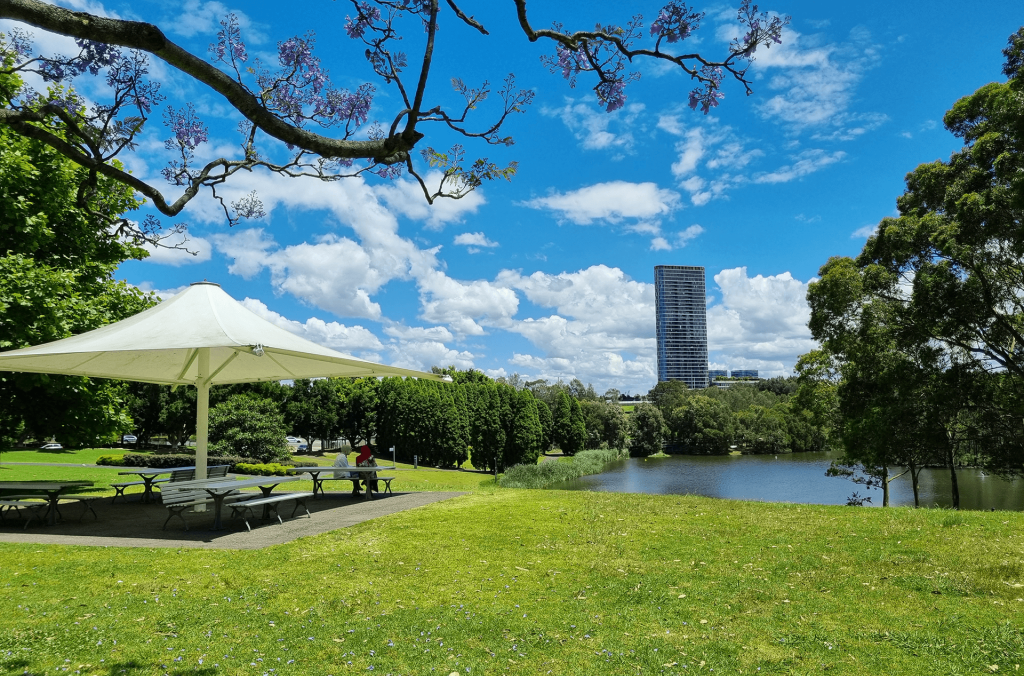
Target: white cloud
{"points": [[203, 17], [186, 250], [346, 339], [163, 294], [334, 274], [465, 306], [804, 163], [419, 333], [602, 330], [761, 321], [610, 202], [590, 125], [421, 355], [864, 232], [405, 197], [816, 83], [474, 239]]}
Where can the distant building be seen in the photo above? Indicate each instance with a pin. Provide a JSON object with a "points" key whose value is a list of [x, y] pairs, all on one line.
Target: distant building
{"points": [[718, 374], [744, 373], [682, 328]]}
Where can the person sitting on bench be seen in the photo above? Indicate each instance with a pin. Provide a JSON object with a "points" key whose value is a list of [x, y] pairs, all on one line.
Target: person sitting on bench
{"points": [[365, 459], [342, 461]]}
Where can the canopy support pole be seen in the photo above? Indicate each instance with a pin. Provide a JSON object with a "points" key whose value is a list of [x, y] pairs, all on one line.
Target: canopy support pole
{"points": [[202, 411]]}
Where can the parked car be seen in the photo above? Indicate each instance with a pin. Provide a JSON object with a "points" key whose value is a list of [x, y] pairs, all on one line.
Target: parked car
{"points": [[129, 439], [293, 440], [51, 447]]}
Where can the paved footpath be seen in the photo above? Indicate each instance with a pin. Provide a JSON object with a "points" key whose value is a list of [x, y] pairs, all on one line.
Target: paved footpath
{"points": [[134, 524]]}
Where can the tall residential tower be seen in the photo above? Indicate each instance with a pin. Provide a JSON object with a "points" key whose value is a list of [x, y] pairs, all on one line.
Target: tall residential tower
{"points": [[681, 324]]}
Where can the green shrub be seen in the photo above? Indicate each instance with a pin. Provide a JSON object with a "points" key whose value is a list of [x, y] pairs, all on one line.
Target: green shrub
{"points": [[248, 424], [547, 473], [180, 460], [115, 460], [263, 469]]}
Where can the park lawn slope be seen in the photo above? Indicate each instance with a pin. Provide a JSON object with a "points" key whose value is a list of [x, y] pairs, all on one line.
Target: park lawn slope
{"points": [[526, 582]]}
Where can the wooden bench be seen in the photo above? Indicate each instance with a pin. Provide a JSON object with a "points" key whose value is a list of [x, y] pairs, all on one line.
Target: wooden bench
{"points": [[178, 500], [37, 508], [239, 508]]}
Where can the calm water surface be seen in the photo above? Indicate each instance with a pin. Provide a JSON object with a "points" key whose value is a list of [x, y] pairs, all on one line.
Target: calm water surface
{"points": [[794, 477]]}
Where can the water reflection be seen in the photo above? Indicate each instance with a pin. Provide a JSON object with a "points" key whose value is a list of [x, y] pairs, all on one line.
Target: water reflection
{"points": [[796, 477]]}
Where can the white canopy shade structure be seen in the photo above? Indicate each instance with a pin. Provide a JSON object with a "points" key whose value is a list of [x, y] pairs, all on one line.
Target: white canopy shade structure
{"points": [[200, 337]]}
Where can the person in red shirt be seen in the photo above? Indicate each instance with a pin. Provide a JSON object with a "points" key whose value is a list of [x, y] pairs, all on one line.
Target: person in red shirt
{"points": [[366, 459]]}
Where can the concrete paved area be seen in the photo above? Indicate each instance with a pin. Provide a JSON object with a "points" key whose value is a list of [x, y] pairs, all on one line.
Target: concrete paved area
{"points": [[134, 524]]}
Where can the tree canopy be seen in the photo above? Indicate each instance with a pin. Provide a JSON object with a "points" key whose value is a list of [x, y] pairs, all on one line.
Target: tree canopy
{"points": [[294, 122]]}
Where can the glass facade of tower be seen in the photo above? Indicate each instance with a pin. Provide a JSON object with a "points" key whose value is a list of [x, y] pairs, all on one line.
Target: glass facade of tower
{"points": [[682, 325]]}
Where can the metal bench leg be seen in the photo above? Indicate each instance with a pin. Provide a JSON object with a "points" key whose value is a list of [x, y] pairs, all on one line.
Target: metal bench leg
{"points": [[300, 502], [176, 512], [119, 493]]}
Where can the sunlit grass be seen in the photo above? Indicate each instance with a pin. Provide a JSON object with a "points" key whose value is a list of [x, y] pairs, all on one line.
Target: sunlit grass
{"points": [[526, 582]]}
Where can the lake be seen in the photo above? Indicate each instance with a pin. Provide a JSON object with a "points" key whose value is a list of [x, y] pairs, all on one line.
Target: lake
{"points": [[792, 477]]}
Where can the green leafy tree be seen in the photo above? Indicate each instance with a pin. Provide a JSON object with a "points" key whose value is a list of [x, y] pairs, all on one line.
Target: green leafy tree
{"points": [[667, 395], [547, 424], [702, 425], [248, 426], [762, 430], [646, 431], [358, 418], [605, 422], [56, 280], [574, 437]]}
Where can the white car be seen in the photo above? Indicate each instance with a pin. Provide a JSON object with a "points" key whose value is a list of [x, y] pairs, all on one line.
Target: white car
{"points": [[129, 439], [51, 447], [293, 440]]}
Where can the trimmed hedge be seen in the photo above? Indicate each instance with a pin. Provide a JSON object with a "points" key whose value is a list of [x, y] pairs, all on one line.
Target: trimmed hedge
{"points": [[187, 460], [547, 473], [260, 469]]}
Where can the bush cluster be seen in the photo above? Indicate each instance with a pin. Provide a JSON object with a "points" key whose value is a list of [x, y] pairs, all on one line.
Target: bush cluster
{"points": [[180, 460], [547, 473], [114, 460], [263, 469]]}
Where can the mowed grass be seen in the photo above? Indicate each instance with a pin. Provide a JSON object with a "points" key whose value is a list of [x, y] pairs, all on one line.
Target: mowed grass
{"points": [[531, 582], [81, 456]]}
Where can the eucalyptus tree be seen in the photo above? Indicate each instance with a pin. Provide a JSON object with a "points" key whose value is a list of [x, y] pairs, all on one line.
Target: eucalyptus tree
{"points": [[292, 121]]}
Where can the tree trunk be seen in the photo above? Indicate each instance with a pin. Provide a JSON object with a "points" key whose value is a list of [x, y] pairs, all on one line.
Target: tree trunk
{"points": [[885, 486], [954, 486], [914, 472]]}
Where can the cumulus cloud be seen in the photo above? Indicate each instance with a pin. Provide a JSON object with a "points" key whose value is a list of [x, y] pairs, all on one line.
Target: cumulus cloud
{"points": [[178, 250], [475, 241], [610, 202], [345, 339], [601, 330], [761, 321], [335, 273], [405, 197], [465, 306]]}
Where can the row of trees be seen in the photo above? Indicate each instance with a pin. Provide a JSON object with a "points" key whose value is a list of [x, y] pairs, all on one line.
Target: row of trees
{"points": [[499, 422], [921, 334], [760, 417]]}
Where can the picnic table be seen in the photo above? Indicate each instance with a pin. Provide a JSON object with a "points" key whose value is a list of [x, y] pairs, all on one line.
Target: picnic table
{"points": [[50, 489], [318, 483], [149, 475], [218, 489]]}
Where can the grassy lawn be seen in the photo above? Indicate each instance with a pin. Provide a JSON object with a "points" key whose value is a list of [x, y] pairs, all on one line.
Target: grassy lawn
{"points": [[527, 582], [83, 455]]}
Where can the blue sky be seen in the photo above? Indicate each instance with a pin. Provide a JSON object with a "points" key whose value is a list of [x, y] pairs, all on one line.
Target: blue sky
{"points": [[550, 275]]}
